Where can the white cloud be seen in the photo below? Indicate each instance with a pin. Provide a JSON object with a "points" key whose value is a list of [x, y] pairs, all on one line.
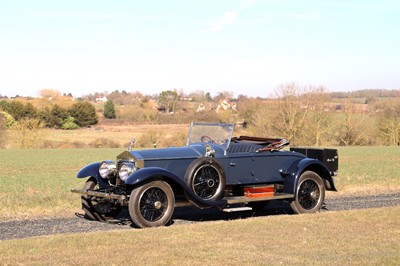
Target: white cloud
{"points": [[228, 18]]}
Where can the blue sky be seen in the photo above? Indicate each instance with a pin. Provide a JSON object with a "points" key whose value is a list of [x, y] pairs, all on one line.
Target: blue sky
{"points": [[247, 47]]}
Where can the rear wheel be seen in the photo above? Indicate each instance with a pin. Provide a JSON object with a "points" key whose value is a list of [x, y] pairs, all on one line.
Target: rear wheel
{"points": [[152, 204], [95, 208], [310, 193]]}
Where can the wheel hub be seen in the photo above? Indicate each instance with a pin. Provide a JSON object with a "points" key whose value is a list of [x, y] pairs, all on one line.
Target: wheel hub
{"points": [[157, 205], [210, 183]]}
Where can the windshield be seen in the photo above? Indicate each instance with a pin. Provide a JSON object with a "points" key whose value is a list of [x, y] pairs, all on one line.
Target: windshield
{"points": [[210, 133]]}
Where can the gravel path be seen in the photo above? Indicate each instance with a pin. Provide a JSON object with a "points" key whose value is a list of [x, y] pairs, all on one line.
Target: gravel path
{"points": [[77, 224]]}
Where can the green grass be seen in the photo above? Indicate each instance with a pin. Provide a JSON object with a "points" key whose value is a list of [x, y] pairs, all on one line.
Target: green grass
{"points": [[37, 182], [369, 169], [359, 237]]}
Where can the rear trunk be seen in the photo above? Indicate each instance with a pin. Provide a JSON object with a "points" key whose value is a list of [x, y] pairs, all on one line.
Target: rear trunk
{"points": [[328, 156]]}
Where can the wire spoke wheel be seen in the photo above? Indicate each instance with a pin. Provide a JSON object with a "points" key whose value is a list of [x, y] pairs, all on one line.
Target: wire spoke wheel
{"points": [[206, 179], [151, 204], [206, 182], [310, 193]]}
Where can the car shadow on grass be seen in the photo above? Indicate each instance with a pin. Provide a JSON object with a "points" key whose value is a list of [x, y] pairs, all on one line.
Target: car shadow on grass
{"points": [[193, 214]]}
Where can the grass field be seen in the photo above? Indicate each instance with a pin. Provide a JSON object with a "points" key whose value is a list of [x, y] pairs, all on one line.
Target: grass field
{"points": [[368, 170], [359, 237], [37, 182]]}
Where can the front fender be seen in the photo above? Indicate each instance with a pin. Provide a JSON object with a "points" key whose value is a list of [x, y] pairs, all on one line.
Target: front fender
{"points": [[149, 173], [89, 170], [293, 174], [92, 170]]}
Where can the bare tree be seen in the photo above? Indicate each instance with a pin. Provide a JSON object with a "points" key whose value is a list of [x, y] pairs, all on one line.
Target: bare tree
{"points": [[351, 131], [389, 123], [49, 93], [27, 133], [318, 121], [3, 135], [223, 95], [258, 116], [390, 129], [292, 111]]}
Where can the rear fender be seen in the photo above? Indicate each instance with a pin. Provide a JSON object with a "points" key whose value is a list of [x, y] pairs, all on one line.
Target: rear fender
{"points": [[292, 175], [92, 170], [152, 173]]}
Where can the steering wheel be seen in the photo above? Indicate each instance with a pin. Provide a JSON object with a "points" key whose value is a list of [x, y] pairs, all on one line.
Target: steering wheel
{"points": [[207, 139]]}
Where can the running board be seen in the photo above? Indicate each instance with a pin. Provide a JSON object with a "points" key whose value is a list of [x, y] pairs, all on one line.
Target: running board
{"points": [[237, 209], [243, 199]]}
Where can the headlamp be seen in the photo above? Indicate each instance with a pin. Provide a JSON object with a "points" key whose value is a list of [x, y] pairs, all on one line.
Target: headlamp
{"points": [[125, 170], [107, 168]]}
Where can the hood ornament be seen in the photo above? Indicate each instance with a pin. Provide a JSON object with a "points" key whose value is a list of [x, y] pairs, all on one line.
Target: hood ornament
{"points": [[210, 152], [131, 144]]}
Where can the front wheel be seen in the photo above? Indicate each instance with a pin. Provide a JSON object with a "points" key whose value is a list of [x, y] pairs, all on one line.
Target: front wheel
{"points": [[310, 193], [152, 204], [98, 209]]}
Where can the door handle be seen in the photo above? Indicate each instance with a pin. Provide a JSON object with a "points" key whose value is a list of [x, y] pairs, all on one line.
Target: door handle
{"points": [[232, 164]]}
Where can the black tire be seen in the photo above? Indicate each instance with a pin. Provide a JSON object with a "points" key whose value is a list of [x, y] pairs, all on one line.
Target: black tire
{"points": [[152, 204], [101, 210], [310, 193], [206, 177]]}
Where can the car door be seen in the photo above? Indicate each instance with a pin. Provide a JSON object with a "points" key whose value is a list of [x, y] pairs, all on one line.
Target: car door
{"points": [[240, 169], [262, 167]]}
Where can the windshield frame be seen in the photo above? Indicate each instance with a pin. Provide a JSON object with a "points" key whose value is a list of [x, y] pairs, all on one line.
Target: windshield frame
{"points": [[218, 131]]}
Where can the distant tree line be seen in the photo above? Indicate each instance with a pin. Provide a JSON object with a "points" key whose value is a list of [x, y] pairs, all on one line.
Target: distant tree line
{"points": [[367, 94], [310, 116], [80, 114], [305, 115]]}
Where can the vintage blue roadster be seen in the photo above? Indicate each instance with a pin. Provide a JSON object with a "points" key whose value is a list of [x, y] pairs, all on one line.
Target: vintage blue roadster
{"points": [[213, 169]]}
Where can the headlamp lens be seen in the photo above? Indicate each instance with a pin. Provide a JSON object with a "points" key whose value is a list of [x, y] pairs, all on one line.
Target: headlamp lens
{"points": [[107, 168], [125, 170]]}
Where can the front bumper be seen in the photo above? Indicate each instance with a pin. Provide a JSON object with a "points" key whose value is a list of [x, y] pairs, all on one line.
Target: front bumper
{"points": [[99, 194]]}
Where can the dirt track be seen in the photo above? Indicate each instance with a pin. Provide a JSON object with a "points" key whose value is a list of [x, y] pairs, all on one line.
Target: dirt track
{"points": [[77, 224]]}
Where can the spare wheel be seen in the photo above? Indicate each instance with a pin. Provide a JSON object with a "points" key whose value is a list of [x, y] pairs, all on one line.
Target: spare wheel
{"points": [[206, 177]]}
